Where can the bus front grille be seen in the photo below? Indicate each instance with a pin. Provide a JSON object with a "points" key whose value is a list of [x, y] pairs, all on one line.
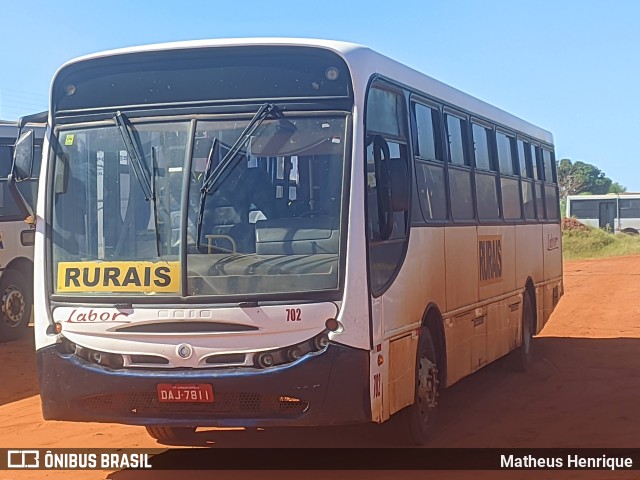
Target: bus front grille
{"points": [[232, 405]]}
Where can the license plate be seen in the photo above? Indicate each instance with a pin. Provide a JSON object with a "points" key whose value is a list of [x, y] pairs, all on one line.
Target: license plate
{"points": [[185, 392]]}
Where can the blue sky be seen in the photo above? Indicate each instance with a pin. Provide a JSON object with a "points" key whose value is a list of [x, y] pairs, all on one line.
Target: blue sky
{"points": [[572, 67]]}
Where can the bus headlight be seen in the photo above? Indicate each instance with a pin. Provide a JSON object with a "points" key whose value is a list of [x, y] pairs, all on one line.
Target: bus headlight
{"points": [[294, 354], [95, 357], [110, 360], [67, 347], [265, 360], [321, 341]]}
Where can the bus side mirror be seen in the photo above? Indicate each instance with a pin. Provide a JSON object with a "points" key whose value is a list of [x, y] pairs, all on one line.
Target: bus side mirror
{"points": [[23, 157], [399, 178]]}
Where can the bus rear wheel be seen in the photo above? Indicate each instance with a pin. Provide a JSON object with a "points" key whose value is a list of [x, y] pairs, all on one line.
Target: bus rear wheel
{"points": [[15, 305], [415, 423], [522, 357], [172, 435]]}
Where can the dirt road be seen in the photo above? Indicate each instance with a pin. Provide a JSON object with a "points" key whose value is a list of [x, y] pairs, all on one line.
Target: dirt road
{"points": [[583, 391]]}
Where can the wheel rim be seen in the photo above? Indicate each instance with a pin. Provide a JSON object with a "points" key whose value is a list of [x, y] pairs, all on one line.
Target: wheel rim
{"points": [[13, 306], [427, 388]]}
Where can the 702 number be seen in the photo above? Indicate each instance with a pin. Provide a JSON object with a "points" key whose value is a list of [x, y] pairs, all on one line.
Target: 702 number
{"points": [[294, 315]]}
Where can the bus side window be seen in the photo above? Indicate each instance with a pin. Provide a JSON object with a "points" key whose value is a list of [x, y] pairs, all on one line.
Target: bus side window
{"points": [[629, 208], [549, 171], [486, 174], [550, 189], [509, 182], [528, 200], [430, 166], [7, 205], [538, 177], [6, 154], [460, 185]]}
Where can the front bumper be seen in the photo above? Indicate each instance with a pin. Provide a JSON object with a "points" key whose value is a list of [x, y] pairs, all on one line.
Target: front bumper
{"points": [[327, 388]]}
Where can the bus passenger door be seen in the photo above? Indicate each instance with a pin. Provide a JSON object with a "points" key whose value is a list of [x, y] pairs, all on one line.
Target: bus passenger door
{"points": [[387, 187], [607, 215]]}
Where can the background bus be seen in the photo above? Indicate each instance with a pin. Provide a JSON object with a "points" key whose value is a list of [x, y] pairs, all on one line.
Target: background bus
{"points": [[282, 232], [16, 238], [613, 212]]}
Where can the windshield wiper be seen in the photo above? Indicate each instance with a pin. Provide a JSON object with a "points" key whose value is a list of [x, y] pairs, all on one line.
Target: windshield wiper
{"points": [[145, 179], [227, 161], [154, 185], [135, 156], [212, 179], [203, 192]]}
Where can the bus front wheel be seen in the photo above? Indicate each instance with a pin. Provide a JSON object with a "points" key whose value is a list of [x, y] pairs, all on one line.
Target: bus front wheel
{"points": [[172, 435], [15, 305], [415, 423]]}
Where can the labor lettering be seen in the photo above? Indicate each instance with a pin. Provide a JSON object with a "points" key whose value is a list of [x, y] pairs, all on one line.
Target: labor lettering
{"points": [[82, 315]]}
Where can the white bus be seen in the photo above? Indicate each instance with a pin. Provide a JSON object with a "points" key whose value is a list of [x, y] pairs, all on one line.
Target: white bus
{"points": [[613, 212], [16, 239], [281, 232]]}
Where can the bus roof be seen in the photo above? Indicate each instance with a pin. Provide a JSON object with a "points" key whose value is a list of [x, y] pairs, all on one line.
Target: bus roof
{"points": [[10, 129], [362, 62], [607, 196]]}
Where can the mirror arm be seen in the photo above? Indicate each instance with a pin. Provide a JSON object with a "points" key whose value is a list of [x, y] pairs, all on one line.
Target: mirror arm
{"points": [[40, 117]]}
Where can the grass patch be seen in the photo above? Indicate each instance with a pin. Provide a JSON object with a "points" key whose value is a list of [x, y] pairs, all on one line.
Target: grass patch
{"points": [[596, 243]]}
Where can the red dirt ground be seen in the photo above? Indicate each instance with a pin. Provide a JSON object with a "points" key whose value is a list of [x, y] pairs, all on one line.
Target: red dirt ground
{"points": [[582, 391]]}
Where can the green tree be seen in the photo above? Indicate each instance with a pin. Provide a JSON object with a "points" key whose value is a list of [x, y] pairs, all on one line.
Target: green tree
{"points": [[572, 178], [617, 188], [579, 177]]}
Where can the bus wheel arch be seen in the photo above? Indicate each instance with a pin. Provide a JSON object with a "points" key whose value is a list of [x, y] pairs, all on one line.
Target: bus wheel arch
{"points": [[520, 359], [22, 265], [16, 299], [433, 321], [630, 231], [414, 424]]}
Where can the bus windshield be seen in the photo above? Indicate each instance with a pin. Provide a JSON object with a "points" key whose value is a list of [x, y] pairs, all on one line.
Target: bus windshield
{"points": [[271, 226]]}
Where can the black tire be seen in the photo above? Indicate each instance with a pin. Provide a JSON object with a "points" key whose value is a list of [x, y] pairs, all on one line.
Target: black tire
{"points": [[522, 357], [172, 435], [415, 423], [16, 301]]}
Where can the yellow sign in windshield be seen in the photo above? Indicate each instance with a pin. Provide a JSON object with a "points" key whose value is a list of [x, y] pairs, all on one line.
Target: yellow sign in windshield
{"points": [[131, 277]]}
